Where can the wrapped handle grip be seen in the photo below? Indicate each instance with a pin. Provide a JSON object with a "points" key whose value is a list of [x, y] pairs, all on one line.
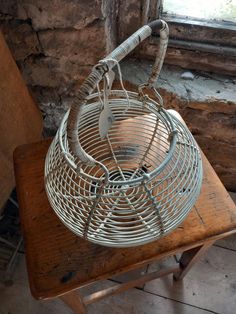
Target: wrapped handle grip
{"points": [[99, 71]]}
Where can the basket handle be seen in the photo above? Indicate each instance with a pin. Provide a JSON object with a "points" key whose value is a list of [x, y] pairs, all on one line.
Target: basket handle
{"points": [[101, 69]]}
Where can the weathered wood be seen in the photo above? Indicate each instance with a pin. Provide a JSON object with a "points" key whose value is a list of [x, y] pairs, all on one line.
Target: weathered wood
{"points": [[131, 275], [129, 18], [209, 285], [17, 300], [192, 59], [144, 11], [198, 46], [21, 121], [202, 32], [213, 44], [189, 258], [202, 47], [59, 261], [96, 296], [227, 243], [154, 10], [74, 301], [137, 301]]}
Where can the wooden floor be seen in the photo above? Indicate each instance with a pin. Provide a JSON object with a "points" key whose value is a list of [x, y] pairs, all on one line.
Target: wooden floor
{"points": [[209, 288]]}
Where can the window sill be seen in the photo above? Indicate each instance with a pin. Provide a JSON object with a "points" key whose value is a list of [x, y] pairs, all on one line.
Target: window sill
{"points": [[204, 86]]}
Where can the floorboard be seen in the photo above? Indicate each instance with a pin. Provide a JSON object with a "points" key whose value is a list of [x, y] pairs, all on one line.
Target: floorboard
{"points": [[209, 288], [17, 299], [228, 243], [211, 284], [136, 301]]}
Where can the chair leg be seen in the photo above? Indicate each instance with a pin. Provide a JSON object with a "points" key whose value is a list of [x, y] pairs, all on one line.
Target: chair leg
{"points": [[189, 258], [75, 301]]}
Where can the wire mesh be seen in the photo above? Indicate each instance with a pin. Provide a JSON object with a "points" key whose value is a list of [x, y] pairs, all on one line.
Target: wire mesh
{"points": [[149, 180]]}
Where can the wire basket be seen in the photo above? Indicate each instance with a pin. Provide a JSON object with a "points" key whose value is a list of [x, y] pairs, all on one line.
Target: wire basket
{"points": [[122, 171]]}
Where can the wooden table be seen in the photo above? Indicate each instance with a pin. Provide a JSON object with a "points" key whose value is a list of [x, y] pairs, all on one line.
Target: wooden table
{"points": [[59, 262]]}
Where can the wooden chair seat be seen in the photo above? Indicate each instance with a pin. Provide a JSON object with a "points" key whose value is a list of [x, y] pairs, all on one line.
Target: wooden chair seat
{"points": [[59, 262]]}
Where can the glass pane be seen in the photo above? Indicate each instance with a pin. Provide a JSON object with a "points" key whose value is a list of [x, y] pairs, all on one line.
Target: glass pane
{"points": [[203, 9]]}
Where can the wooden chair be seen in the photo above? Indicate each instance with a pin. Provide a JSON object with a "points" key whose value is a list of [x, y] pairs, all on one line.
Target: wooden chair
{"points": [[21, 120]]}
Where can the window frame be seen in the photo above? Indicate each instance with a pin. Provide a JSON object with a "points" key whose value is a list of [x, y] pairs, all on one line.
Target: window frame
{"points": [[193, 44], [205, 38], [163, 14]]}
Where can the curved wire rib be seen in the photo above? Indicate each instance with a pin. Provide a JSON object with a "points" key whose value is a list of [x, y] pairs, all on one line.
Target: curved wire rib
{"points": [[75, 112]]}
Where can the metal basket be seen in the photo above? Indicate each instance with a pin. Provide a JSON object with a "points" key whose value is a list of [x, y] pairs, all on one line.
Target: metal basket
{"points": [[122, 171]]}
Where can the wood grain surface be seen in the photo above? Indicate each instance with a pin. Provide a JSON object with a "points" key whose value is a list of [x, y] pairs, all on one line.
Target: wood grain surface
{"points": [[21, 121], [58, 261]]}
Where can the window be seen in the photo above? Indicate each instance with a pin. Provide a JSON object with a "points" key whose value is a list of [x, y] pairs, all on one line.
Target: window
{"points": [[220, 10], [202, 33]]}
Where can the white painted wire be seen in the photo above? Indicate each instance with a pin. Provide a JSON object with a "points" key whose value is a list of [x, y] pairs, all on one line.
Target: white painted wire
{"points": [[134, 207]]}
